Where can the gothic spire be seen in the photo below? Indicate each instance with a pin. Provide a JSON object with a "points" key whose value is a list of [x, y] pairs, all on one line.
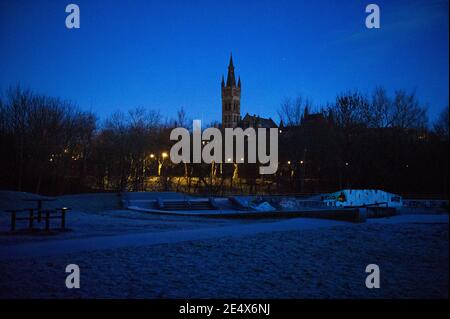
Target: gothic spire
{"points": [[231, 80]]}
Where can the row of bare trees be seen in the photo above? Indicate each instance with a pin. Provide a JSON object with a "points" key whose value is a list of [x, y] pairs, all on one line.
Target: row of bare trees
{"points": [[359, 141], [353, 108], [122, 149], [48, 145], [40, 138]]}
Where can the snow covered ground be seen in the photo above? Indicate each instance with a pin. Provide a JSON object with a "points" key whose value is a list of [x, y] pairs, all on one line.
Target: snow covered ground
{"points": [[124, 254]]}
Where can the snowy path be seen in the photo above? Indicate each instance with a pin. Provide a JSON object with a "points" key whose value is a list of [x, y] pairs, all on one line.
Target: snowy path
{"points": [[57, 247]]}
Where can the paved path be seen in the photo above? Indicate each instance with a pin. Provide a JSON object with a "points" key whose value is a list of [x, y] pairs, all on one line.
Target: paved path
{"points": [[66, 246]]}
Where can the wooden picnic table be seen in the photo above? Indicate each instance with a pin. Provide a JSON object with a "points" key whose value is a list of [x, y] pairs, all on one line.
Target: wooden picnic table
{"points": [[15, 213], [39, 201], [31, 217]]}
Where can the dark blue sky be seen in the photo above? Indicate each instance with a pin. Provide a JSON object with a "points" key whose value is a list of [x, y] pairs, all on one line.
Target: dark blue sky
{"points": [[168, 54]]}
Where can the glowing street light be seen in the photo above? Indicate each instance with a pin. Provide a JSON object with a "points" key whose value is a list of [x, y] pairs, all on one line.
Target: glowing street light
{"points": [[164, 155], [152, 155], [301, 162]]}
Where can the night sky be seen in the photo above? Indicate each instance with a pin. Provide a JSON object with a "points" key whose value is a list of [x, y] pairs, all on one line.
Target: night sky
{"points": [[168, 54]]}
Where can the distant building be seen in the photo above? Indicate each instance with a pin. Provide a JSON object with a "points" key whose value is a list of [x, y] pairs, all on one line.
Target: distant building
{"points": [[313, 118], [256, 121], [231, 98], [231, 105]]}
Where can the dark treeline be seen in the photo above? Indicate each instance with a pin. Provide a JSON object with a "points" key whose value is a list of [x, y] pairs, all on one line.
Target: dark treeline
{"points": [[50, 146], [359, 141]]}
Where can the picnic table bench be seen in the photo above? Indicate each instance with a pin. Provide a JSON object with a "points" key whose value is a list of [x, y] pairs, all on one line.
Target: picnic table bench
{"points": [[48, 213], [39, 202]]}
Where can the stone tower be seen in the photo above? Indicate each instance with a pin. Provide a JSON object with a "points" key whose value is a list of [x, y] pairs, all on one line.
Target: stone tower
{"points": [[231, 98]]}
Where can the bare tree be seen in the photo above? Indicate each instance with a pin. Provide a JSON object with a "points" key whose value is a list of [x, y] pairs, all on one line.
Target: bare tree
{"points": [[407, 113], [291, 111], [441, 124], [182, 119], [377, 112], [349, 109]]}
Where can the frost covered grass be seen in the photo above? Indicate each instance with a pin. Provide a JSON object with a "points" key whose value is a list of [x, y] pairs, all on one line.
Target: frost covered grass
{"points": [[315, 263], [93, 215], [108, 223], [197, 257]]}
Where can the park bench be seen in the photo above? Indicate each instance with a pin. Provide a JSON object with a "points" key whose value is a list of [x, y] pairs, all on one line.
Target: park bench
{"points": [[46, 214]]}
